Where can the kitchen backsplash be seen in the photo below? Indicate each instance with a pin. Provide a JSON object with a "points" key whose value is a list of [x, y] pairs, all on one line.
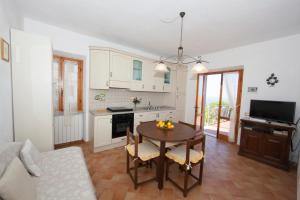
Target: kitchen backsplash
{"points": [[101, 99]]}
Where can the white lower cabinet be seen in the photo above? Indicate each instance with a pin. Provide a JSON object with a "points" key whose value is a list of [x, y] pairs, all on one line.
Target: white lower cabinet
{"points": [[151, 116], [102, 130]]}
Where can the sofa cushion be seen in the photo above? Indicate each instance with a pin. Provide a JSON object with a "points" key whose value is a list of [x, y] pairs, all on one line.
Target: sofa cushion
{"points": [[16, 183], [64, 176], [8, 151], [30, 157]]}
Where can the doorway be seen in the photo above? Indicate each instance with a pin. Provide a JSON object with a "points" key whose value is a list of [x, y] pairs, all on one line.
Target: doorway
{"points": [[218, 103], [67, 100]]}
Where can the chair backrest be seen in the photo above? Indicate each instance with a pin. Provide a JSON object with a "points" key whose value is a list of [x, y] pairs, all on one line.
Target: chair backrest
{"points": [[187, 124], [133, 139], [198, 139], [226, 113]]}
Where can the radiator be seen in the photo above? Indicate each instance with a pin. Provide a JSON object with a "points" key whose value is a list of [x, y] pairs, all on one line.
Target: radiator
{"points": [[68, 132]]}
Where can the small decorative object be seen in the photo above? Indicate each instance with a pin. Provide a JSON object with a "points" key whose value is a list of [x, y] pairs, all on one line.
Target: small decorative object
{"points": [[100, 97], [4, 47], [135, 101], [167, 124], [272, 80]]}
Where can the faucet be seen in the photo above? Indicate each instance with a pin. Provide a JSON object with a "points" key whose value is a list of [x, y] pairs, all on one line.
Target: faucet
{"points": [[149, 107]]}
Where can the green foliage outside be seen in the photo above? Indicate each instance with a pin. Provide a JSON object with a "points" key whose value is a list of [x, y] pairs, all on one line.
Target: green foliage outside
{"points": [[211, 112]]}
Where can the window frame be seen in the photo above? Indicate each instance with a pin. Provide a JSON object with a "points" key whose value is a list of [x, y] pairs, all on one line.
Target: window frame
{"points": [[61, 60]]}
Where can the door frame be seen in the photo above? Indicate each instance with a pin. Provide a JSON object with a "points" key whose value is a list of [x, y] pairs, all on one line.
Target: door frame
{"points": [[238, 100]]}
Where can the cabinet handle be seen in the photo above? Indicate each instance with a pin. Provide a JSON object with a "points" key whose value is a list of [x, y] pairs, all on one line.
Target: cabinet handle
{"points": [[110, 120], [143, 86], [110, 74]]}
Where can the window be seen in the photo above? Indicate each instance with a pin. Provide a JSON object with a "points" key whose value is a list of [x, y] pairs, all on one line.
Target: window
{"points": [[67, 84]]}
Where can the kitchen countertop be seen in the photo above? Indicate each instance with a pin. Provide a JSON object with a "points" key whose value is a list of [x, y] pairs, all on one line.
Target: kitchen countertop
{"points": [[104, 112]]}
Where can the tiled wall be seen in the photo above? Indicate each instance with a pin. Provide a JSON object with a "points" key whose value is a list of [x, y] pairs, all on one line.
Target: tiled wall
{"points": [[122, 97]]}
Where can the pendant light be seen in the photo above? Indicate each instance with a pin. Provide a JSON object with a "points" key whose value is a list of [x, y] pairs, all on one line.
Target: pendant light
{"points": [[181, 58], [199, 68], [161, 67]]}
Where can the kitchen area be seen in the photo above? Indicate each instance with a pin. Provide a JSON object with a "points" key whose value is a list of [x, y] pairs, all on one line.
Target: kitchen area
{"points": [[125, 90]]}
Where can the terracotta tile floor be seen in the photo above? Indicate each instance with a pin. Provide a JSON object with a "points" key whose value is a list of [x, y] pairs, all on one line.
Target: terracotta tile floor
{"points": [[226, 176]]}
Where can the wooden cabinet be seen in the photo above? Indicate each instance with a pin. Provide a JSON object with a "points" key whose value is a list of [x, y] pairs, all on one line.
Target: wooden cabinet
{"points": [[266, 142], [251, 142], [120, 70], [273, 147], [102, 130], [99, 69]]}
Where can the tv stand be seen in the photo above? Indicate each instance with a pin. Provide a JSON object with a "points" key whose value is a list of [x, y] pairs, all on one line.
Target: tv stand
{"points": [[267, 142]]}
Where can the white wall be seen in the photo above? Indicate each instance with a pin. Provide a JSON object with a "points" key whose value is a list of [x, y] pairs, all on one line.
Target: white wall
{"points": [[280, 56], [74, 43], [9, 18]]}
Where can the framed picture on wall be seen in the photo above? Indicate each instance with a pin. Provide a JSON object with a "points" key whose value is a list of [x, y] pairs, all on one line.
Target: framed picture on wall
{"points": [[4, 47]]}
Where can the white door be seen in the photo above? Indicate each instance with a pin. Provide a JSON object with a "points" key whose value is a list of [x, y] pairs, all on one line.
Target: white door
{"points": [[99, 69], [32, 89], [102, 130], [120, 70]]}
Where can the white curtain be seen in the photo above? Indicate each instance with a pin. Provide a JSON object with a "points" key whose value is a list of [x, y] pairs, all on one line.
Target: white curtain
{"points": [[70, 90], [230, 86]]}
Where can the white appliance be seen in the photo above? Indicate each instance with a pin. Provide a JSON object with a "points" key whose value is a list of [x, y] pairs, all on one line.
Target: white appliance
{"points": [[32, 89]]}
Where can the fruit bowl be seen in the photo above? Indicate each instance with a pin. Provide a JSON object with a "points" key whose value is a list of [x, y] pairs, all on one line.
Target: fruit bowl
{"points": [[166, 125]]}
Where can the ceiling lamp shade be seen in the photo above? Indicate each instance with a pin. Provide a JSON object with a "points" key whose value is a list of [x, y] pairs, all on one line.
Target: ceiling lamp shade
{"points": [[199, 68], [161, 67]]}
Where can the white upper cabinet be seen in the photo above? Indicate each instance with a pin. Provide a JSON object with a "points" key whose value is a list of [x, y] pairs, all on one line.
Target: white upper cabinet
{"points": [[138, 73], [113, 68], [148, 76], [153, 81], [99, 69], [120, 70], [158, 81]]}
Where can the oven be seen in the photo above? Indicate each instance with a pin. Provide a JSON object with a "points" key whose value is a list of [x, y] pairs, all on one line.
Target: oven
{"points": [[120, 122]]}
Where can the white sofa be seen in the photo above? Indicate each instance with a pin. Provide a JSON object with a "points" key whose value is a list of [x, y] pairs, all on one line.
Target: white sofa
{"points": [[64, 173]]}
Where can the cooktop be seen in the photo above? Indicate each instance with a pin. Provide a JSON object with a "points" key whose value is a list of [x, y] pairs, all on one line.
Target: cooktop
{"points": [[119, 109]]}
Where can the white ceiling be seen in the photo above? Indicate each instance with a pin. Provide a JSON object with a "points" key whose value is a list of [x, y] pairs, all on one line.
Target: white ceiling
{"points": [[210, 25]]}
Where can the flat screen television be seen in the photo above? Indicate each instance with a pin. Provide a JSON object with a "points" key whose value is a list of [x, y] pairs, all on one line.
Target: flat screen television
{"points": [[279, 111]]}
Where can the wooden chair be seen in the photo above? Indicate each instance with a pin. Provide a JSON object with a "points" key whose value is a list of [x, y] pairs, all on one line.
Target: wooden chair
{"points": [[187, 158], [190, 125], [141, 155]]}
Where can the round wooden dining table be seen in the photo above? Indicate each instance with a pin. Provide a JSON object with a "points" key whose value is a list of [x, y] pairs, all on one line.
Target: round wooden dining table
{"points": [[179, 133]]}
